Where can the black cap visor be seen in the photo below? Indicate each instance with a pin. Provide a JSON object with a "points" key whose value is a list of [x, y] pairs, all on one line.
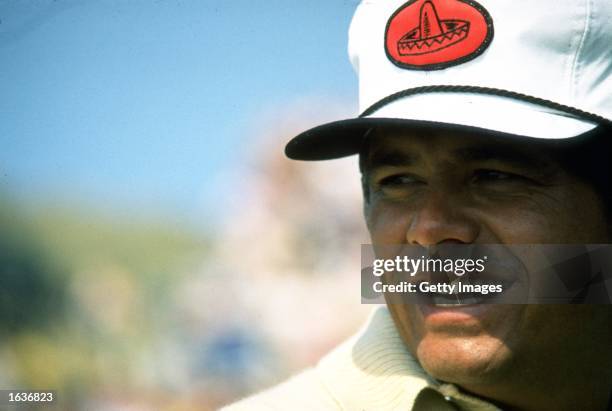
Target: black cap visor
{"points": [[345, 137]]}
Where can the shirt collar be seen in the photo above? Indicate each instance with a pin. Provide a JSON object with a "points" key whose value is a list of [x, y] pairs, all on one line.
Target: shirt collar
{"points": [[374, 371]]}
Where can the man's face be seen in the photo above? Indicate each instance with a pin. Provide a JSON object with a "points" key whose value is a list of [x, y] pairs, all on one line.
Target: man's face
{"points": [[436, 188]]}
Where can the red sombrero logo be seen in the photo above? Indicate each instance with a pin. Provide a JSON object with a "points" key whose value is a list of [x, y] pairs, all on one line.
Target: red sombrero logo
{"points": [[434, 34]]}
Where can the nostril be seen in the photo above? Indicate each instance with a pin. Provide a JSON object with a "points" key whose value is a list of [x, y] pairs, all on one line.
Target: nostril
{"points": [[451, 241]]}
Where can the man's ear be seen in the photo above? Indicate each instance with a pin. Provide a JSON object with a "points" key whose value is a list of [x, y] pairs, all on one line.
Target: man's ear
{"points": [[365, 189], [363, 159]]}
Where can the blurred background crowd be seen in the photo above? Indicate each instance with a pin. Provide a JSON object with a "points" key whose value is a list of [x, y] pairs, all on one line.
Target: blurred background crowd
{"points": [[157, 250]]}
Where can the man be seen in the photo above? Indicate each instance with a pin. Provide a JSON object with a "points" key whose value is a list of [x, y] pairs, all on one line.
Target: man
{"points": [[482, 123]]}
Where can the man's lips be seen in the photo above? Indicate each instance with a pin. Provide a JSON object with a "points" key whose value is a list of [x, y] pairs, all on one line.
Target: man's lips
{"points": [[465, 292], [472, 309], [458, 316], [434, 288]]}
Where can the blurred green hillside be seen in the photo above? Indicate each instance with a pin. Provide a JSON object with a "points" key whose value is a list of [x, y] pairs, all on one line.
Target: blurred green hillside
{"points": [[83, 295]]}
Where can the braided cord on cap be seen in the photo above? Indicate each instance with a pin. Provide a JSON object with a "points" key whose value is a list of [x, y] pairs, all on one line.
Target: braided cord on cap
{"points": [[488, 91]]}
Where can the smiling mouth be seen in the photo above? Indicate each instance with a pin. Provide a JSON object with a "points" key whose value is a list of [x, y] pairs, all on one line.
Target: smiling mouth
{"points": [[457, 299], [468, 291]]}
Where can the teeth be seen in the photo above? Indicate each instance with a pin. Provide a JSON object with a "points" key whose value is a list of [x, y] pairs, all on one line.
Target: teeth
{"points": [[450, 305], [453, 300]]}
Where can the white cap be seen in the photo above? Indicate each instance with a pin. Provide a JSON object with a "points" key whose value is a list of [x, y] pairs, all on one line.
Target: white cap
{"points": [[531, 68]]}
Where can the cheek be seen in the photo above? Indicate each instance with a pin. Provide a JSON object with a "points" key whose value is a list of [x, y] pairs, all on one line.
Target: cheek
{"points": [[516, 224], [387, 222], [561, 214], [543, 219], [584, 219]]}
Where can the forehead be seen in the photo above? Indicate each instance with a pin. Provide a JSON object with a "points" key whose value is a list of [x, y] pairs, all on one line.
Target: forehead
{"points": [[397, 146]]}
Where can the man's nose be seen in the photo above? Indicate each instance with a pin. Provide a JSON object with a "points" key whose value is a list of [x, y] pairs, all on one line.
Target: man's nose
{"points": [[442, 218]]}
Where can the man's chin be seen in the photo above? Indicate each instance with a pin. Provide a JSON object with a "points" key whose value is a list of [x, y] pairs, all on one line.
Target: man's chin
{"points": [[465, 344], [460, 344], [463, 360]]}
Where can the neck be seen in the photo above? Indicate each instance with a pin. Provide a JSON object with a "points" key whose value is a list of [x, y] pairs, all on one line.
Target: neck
{"points": [[584, 388]]}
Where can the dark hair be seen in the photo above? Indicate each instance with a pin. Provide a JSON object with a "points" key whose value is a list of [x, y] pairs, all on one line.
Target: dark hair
{"points": [[588, 157], [363, 157]]}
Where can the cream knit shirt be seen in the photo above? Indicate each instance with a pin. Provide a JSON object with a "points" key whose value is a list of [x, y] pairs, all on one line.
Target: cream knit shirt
{"points": [[372, 371]]}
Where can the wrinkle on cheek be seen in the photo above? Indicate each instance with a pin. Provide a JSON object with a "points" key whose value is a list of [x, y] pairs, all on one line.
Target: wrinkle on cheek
{"points": [[526, 197]]}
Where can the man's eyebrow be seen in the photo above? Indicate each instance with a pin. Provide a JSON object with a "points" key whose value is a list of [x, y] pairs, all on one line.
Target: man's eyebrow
{"points": [[501, 153], [391, 158]]}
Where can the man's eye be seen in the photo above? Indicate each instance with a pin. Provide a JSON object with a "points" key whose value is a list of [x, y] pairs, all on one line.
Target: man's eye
{"points": [[494, 176], [399, 180]]}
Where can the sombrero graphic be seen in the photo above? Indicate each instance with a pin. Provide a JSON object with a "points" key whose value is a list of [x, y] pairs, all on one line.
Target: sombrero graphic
{"points": [[435, 34], [432, 34]]}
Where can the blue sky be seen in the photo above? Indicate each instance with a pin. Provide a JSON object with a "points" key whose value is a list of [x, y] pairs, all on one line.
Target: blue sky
{"points": [[135, 105]]}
